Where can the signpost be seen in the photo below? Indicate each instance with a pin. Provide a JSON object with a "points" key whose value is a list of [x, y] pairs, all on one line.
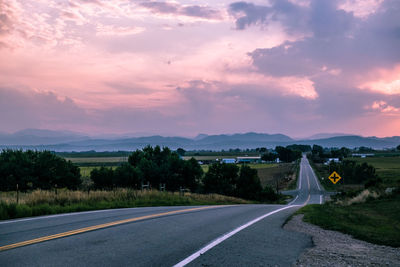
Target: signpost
{"points": [[334, 177]]}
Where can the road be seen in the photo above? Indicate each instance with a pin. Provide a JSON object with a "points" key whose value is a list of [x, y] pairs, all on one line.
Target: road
{"points": [[237, 235]]}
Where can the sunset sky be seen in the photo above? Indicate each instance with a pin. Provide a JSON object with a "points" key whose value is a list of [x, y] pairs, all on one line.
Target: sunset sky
{"points": [[296, 67]]}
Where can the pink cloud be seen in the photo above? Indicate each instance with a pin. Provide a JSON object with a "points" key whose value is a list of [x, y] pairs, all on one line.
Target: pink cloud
{"points": [[385, 81], [127, 66]]}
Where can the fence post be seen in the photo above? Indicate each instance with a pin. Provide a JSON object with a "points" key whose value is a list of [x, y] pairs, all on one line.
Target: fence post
{"points": [[147, 186], [17, 194], [182, 191], [162, 187]]}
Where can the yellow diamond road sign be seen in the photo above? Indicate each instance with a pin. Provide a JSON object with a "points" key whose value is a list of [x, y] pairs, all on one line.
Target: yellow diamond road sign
{"points": [[334, 177]]}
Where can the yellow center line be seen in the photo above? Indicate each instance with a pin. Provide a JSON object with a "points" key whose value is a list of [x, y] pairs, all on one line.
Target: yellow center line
{"points": [[99, 226]]}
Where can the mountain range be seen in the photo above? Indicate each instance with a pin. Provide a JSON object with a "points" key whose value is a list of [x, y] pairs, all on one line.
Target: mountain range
{"points": [[72, 141]]}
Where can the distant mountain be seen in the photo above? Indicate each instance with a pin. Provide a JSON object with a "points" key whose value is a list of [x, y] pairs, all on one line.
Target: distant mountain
{"points": [[246, 140], [40, 137], [353, 141], [200, 136], [71, 141], [326, 135]]}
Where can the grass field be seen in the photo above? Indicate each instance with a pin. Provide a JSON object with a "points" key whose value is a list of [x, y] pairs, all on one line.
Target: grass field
{"points": [[375, 221], [41, 202], [387, 168]]}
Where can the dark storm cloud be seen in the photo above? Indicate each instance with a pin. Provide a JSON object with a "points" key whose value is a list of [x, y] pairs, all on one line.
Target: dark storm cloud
{"points": [[337, 39]]}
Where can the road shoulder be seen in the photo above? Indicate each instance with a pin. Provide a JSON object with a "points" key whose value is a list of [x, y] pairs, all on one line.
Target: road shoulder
{"points": [[332, 248]]}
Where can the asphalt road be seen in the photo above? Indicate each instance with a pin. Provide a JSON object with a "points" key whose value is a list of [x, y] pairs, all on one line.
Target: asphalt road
{"points": [[239, 235]]}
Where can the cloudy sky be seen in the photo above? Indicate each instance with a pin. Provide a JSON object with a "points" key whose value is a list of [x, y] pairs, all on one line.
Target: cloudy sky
{"points": [[184, 67]]}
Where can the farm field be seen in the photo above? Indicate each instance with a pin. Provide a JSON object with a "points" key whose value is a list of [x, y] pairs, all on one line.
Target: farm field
{"points": [[98, 160], [210, 157], [259, 167]]}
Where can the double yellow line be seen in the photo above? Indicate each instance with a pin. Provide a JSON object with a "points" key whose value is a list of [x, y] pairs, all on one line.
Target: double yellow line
{"points": [[96, 227]]}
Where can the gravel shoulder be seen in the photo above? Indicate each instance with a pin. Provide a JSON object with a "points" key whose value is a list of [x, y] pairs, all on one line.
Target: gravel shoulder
{"points": [[333, 248]]}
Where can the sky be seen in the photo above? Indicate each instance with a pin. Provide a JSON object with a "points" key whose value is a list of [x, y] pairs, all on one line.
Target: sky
{"points": [[296, 67]]}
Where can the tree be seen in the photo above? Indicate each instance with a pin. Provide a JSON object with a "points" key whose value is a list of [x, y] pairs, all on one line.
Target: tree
{"points": [[248, 184], [221, 178], [302, 148], [181, 152], [398, 147], [269, 156], [127, 176], [192, 174], [286, 154], [317, 150], [158, 165], [103, 178]]}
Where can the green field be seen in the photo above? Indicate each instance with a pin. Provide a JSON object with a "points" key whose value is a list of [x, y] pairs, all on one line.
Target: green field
{"points": [[375, 221], [387, 168]]}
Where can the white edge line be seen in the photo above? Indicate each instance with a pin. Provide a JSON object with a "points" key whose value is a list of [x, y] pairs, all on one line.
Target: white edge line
{"points": [[301, 170], [293, 200], [315, 178], [224, 237]]}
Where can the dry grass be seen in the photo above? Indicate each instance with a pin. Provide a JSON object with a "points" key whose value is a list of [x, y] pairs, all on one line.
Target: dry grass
{"points": [[360, 198], [38, 197]]}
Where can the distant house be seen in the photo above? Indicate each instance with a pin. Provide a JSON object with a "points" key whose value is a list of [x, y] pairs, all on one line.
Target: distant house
{"points": [[362, 155], [329, 160], [248, 159], [228, 161]]}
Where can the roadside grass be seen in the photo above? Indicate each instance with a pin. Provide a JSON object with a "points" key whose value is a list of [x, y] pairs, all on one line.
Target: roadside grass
{"points": [[375, 221], [40, 202]]}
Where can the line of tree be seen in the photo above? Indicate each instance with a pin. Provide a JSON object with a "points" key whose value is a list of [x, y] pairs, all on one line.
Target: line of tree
{"points": [[36, 170], [286, 154], [163, 166], [45, 170], [356, 173], [154, 165], [228, 179], [319, 154]]}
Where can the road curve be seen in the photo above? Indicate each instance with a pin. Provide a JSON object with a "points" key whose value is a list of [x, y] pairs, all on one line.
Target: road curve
{"points": [[237, 235]]}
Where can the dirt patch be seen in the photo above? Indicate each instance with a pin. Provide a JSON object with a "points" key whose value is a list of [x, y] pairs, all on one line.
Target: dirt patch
{"points": [[336, 249]]}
